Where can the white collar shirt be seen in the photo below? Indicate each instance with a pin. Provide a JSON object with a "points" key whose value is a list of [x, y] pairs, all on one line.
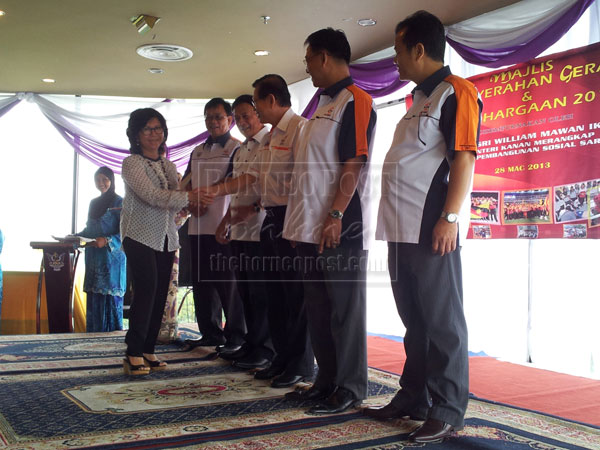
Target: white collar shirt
{"points": [[209, 165], [275, 162], [249, 229]]}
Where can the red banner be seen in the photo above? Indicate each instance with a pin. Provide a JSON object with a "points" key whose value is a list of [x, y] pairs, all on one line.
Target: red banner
{"points": [[538, 169]]}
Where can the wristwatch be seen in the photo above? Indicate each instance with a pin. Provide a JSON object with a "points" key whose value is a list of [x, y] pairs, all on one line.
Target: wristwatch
{"points": [[336, 214], [449, 217]]}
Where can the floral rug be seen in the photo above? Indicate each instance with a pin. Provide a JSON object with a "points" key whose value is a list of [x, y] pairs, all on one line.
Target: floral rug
{"points": [[206, 403], [49, 352]]}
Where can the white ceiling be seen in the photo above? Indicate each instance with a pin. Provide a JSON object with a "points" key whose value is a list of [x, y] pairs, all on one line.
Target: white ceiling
{"points": [[88, 46]]}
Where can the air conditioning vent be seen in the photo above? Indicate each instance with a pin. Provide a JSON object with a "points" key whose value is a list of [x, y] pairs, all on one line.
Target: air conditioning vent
{"points": [[164, 52]]}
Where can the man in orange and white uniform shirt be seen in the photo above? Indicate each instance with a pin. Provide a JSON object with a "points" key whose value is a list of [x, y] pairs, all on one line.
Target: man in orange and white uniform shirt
{"points": [[327, 215], [424, 216]]}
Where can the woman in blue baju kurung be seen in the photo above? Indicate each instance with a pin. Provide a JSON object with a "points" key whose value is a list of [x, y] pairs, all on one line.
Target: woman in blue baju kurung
{"points": [[105, 271]]}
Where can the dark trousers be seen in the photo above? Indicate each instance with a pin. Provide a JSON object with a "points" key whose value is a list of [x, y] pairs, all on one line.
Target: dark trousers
{"points": [[151, 274], [335, 296], [213, 283], [286, 311], [252, 291], [428, 293]]}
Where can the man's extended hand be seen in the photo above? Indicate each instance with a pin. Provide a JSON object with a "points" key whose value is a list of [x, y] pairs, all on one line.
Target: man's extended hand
{"points": [[207, 194]]}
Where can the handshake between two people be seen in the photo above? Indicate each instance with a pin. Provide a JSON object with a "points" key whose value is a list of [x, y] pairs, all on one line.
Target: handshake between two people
{"points": [[201, 198]]}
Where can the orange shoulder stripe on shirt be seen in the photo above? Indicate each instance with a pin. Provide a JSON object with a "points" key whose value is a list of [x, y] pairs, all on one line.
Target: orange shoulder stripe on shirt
{"points": [[362, 114], [467, 113]]}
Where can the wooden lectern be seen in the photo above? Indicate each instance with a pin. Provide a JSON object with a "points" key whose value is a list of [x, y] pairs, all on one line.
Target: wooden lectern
{"points": [[59, 262]]}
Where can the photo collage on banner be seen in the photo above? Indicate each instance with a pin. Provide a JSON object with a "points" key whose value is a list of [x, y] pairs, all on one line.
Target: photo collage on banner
{"points": [[537, 173]]}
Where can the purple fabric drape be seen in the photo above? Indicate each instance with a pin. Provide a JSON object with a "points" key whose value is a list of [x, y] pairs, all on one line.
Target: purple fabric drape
{"points": [[104, 155], [525, 51], [378, 79]]}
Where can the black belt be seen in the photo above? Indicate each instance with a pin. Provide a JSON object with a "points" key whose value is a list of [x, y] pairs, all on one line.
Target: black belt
{"points": [[272, 210]]}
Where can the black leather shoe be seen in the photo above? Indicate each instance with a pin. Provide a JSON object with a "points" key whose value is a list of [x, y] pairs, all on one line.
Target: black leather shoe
{"points": [[234, 356], [204, 342], [251, 362], [315, 393], [226, 349], [285, 380], [389, 412], [432, 430], [341, 400], [269, 372]]}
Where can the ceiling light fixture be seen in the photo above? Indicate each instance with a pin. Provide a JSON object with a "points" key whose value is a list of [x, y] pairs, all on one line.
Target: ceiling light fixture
{"points": [[2, 13], [156, 70], [48, 80], [144, 22], [366, 22], [265, 19], [164, 52], [262, 52]]}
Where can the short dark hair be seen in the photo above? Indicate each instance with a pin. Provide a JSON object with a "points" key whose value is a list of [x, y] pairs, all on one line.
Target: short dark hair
{"points": [[273, 84], [215, 102], [425, 28], [244, 98], [332, 41], [138, 120]]}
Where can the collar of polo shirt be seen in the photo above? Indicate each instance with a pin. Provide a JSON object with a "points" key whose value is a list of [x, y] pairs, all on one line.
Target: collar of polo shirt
{"points": [[221, 140]]}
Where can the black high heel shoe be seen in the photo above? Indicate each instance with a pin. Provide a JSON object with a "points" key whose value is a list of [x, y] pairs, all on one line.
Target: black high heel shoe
{"points": [[155, 365], [132, 369]]}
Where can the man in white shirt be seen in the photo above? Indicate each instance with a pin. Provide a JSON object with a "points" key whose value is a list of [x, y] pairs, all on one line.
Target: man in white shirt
{"points": [[271, 172], [241, 226], [294, 361], [213, 280]]}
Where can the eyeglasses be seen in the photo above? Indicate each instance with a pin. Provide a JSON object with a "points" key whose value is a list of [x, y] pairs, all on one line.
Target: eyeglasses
{"points": [[308, 58], [147, 131], [218, 118]]}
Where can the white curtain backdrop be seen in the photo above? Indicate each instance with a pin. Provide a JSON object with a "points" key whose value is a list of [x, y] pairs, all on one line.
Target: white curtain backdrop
{"points": [[510, 25]]}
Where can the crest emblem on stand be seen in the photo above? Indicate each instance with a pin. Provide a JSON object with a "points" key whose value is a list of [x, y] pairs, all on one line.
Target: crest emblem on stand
{"points": [[56, 261]]}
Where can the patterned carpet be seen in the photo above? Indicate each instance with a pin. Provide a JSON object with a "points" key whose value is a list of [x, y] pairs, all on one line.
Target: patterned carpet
{"points": [[49, 352], [62, 391]]}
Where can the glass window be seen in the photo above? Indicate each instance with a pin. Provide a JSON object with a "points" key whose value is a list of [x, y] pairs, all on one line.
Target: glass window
{"points": [[36, 180]]}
